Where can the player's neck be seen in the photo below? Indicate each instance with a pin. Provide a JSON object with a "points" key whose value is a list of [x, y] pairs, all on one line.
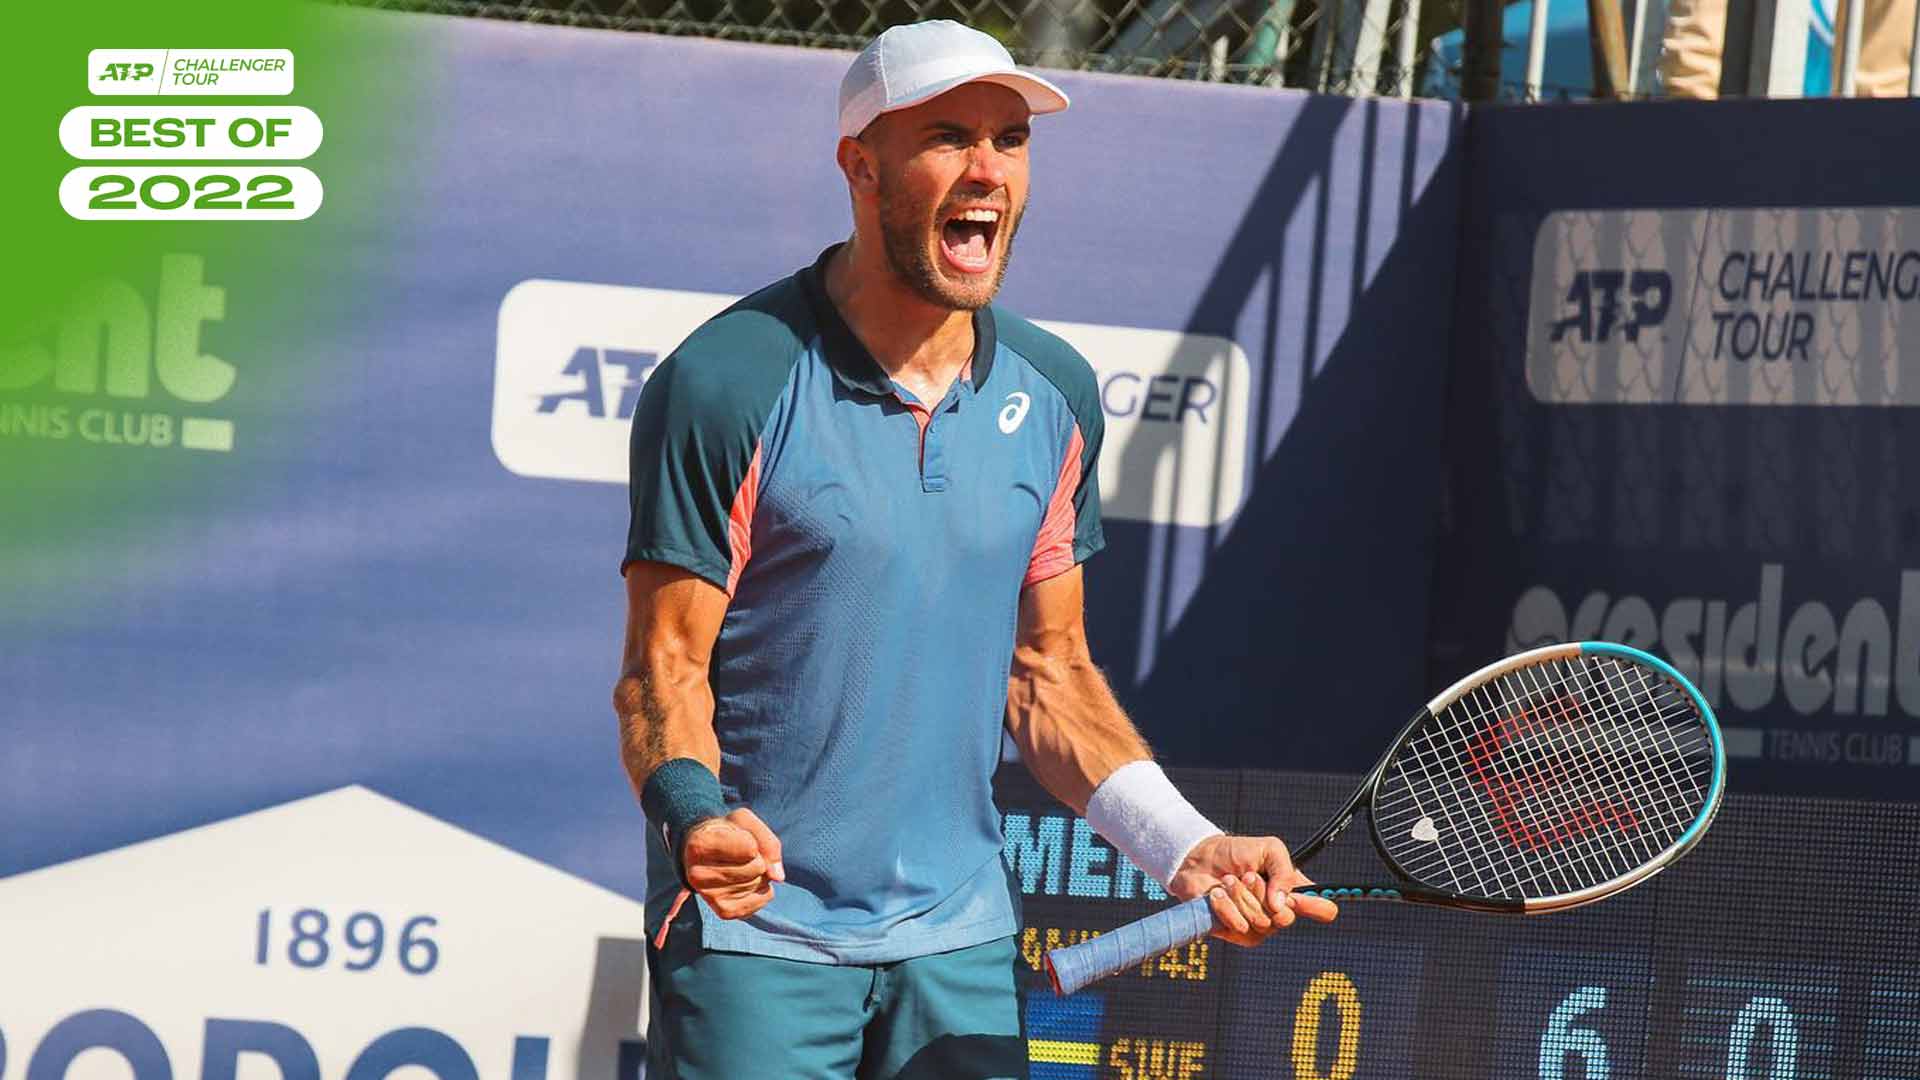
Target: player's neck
{"points": [[920, 344]]}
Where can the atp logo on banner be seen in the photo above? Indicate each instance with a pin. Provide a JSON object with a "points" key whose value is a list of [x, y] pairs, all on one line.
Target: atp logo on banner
{"points": [[573, 357], [1601, 300], [571, 363], [587, 365]]}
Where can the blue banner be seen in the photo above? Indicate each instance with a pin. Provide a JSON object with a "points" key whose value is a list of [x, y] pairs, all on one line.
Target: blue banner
{"points": [[394, 563]]}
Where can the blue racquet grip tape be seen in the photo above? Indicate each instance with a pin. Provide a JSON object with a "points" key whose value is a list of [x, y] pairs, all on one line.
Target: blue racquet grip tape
{"points": [[1135, 943]]}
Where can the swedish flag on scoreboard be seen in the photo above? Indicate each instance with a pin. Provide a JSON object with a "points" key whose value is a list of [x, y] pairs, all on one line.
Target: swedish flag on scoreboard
{"points": [[1063, 1036]]}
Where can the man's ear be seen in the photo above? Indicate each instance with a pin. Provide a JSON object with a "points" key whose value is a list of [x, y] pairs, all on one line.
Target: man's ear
{"points": [[858, 164]]}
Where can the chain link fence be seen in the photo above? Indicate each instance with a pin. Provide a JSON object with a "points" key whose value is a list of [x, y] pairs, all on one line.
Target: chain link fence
{"points": [[1359, 47]]}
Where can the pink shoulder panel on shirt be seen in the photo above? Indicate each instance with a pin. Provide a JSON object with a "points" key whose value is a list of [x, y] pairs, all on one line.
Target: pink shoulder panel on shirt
{"points": [[1053, 547], [740, 520]]}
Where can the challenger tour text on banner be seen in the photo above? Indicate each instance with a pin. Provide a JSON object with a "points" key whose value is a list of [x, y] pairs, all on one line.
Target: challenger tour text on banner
{"points": [[1804, 306], [573, 356]]}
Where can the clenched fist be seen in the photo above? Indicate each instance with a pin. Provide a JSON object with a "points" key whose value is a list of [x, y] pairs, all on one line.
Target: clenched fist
{"points": [[732, 862]]}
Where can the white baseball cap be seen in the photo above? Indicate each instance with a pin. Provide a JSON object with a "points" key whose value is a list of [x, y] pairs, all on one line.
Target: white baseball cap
{"points": [[907, 65]]}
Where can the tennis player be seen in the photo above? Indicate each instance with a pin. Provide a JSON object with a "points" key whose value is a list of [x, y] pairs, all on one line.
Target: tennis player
{"points": [[860, 501]]}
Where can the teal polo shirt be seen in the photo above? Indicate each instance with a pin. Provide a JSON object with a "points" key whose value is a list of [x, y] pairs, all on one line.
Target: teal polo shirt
{"points": [[874, 548]]}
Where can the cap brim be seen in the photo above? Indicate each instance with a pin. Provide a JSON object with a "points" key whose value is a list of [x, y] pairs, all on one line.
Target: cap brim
{"points": [[1041, 96]]}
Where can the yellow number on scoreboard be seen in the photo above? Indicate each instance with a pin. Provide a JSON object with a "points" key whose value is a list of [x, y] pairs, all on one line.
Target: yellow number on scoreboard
{"points": [[1187, 962], [1034, 947], [1306, 1028]]}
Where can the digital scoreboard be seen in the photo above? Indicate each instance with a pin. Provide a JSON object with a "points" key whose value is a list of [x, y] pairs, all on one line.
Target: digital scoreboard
{"points": [[1786, 947]]}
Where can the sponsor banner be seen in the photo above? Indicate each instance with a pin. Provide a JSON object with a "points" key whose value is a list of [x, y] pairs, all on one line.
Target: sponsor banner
{"points": [[340, 935], [263, 72], [1794, 306], [1738, 504], [1176, 410], [124, 364], [1796, 675], [571, 359], [569, 362]]}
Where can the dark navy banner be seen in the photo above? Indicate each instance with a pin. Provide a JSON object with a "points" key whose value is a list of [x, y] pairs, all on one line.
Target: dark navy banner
{"points": [[1681, 416]]}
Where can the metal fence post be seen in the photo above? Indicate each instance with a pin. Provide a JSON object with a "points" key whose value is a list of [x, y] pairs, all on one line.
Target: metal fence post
{"points": [[1636, 35], [1646, 55], [1766, 48], [1736, 47], [1605, 30], [1361, 38], [1788, 24], [1536, 49], [1407, 42], [1480, 60], [1326, 39], [1850, 52], [1913, 57]]}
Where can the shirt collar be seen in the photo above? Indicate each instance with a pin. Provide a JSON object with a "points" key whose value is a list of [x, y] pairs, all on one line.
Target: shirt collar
{"points": [[852, 364]]}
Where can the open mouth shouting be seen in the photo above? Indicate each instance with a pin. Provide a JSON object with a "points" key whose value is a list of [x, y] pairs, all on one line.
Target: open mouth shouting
{"points": [[967, 238]]}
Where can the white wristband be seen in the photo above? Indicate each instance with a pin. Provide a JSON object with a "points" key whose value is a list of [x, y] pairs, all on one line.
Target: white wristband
{"points": [[1140, 812]]}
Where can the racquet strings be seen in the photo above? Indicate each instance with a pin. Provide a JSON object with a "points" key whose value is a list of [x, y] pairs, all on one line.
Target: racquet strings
{"points": [[1547, 780]]}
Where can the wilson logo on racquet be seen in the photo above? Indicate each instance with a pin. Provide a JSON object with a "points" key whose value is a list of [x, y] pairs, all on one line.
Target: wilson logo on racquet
{"points": [[1535, 805]]}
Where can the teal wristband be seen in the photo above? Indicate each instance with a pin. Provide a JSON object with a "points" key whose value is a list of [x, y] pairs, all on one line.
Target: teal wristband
{"points": [[680, 794]]}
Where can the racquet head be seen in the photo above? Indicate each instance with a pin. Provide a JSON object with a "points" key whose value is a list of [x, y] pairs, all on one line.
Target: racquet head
{"points": [[1550, 779]]}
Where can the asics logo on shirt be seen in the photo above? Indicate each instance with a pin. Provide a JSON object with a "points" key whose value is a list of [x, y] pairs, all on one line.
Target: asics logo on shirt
{"points": [[1014, 413]]}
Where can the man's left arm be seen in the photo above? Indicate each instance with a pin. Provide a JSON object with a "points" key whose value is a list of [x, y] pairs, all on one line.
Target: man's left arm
{"points": [[1077, 741]]}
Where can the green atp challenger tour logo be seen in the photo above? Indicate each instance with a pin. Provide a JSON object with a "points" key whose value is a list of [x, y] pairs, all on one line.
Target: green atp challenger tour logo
{"points": [[196, 142], [267, 72], [108, 367], [122, 72]]}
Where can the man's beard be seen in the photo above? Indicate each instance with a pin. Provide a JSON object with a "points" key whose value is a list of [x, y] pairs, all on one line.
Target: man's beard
{"points": [[902, 233]]}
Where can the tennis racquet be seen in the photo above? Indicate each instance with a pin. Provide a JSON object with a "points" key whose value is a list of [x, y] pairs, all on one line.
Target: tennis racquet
{"points": [[1548, 780]]}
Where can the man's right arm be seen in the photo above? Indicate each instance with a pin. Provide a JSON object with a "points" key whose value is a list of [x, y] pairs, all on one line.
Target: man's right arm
{"points": [[665, 707]]}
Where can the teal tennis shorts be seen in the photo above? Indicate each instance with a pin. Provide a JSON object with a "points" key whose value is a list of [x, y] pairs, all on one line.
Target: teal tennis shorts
{"points": [[734, 1016]]}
